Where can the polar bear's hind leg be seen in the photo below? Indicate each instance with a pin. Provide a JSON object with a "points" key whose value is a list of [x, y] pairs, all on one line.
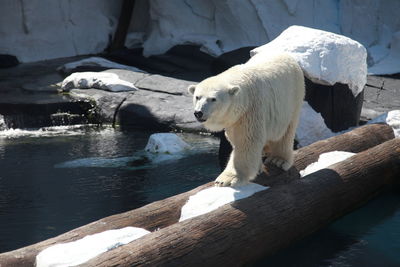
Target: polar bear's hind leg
{"points": [[281, 151]]}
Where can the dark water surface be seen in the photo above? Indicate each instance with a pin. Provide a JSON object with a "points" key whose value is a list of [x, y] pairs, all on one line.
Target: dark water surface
{"points": [[39, 199], [367, 237]]}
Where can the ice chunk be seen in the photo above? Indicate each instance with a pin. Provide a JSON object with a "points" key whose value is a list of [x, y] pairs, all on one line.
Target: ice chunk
{"points": [[325, 57], [311, 126], [212, 198], [82, 250], [325, 160], [168, 143], [97, 80]]}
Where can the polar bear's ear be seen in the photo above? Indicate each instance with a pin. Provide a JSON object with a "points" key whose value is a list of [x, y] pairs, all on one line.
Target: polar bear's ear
{"points": [[191, 89], [233, 90]]}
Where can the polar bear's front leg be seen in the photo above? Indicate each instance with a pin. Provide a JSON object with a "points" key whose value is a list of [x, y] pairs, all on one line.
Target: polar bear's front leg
{"points": [[243, 166]]}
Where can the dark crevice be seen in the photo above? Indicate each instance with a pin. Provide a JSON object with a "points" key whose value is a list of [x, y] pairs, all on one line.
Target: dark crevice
{"points": [[116, 111], [159, 91]]}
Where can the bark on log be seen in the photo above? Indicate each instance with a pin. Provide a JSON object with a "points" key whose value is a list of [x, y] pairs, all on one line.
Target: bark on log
{"points": [[163, 213], [248, 229]]}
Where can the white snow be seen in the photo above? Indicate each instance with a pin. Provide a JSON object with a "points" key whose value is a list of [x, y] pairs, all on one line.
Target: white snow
{"points": [[97, 80], [212, 198], [167, 143], [82, 250], [325, 57], [325, 160], [95, 62], [391, 118], [311, 127]]}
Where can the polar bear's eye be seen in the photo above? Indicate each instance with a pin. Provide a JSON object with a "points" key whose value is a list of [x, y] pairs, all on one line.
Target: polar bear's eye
{"points": [[198, 97], [213, 99]]}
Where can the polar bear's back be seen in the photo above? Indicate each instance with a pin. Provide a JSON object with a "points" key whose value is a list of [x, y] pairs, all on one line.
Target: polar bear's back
{"points": [[279, 71], [276, 85]]}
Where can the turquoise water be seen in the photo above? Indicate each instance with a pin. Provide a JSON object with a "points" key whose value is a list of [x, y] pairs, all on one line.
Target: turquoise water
{"points": [[54, 180]]}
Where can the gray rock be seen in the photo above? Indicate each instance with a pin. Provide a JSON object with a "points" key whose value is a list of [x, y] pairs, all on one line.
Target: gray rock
{"points": [[155, 110], [161, 103], [129, 76], [158, 83], [154, 82], [381, 95], [106, 103]]}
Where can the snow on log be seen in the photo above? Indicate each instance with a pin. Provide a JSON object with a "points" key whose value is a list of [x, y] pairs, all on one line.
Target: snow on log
{"points": [[267, 221], [164, 213]]}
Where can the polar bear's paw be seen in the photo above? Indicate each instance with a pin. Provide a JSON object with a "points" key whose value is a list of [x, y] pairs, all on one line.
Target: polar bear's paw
{"points": [[279, 162], [228, 180]]}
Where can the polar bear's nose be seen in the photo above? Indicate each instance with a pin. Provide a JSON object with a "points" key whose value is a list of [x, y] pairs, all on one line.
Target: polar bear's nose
{"points": [[198, 114]]}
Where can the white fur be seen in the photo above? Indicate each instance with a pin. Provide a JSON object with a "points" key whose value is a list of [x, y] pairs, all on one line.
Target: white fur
{"points": [[258, 104]]}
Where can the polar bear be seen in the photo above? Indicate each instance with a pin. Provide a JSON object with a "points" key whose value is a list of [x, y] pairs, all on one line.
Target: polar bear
{"points": [[258, 104]]}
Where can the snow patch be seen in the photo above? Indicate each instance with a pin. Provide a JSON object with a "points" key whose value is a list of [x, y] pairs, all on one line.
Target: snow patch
{"points": [[95, 62], [82, 250], [325, 160], [391, 118], [311, 127], [97, 80], [325, 57], [212, 198]]}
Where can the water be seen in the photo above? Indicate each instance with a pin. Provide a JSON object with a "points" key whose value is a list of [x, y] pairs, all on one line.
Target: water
{"points": [[42, 196], [55, 179], [367, 237]]}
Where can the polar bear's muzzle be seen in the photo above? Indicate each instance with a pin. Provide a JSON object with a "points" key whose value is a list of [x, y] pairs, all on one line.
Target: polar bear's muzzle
{"points": [[199, 116]]}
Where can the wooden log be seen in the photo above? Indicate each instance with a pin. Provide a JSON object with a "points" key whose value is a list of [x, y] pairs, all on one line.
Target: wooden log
{"points": [[163, 213], [239, 233]]}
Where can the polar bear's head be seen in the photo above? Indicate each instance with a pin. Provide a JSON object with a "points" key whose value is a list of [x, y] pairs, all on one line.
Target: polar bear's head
{"points": [[214, 103]]}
